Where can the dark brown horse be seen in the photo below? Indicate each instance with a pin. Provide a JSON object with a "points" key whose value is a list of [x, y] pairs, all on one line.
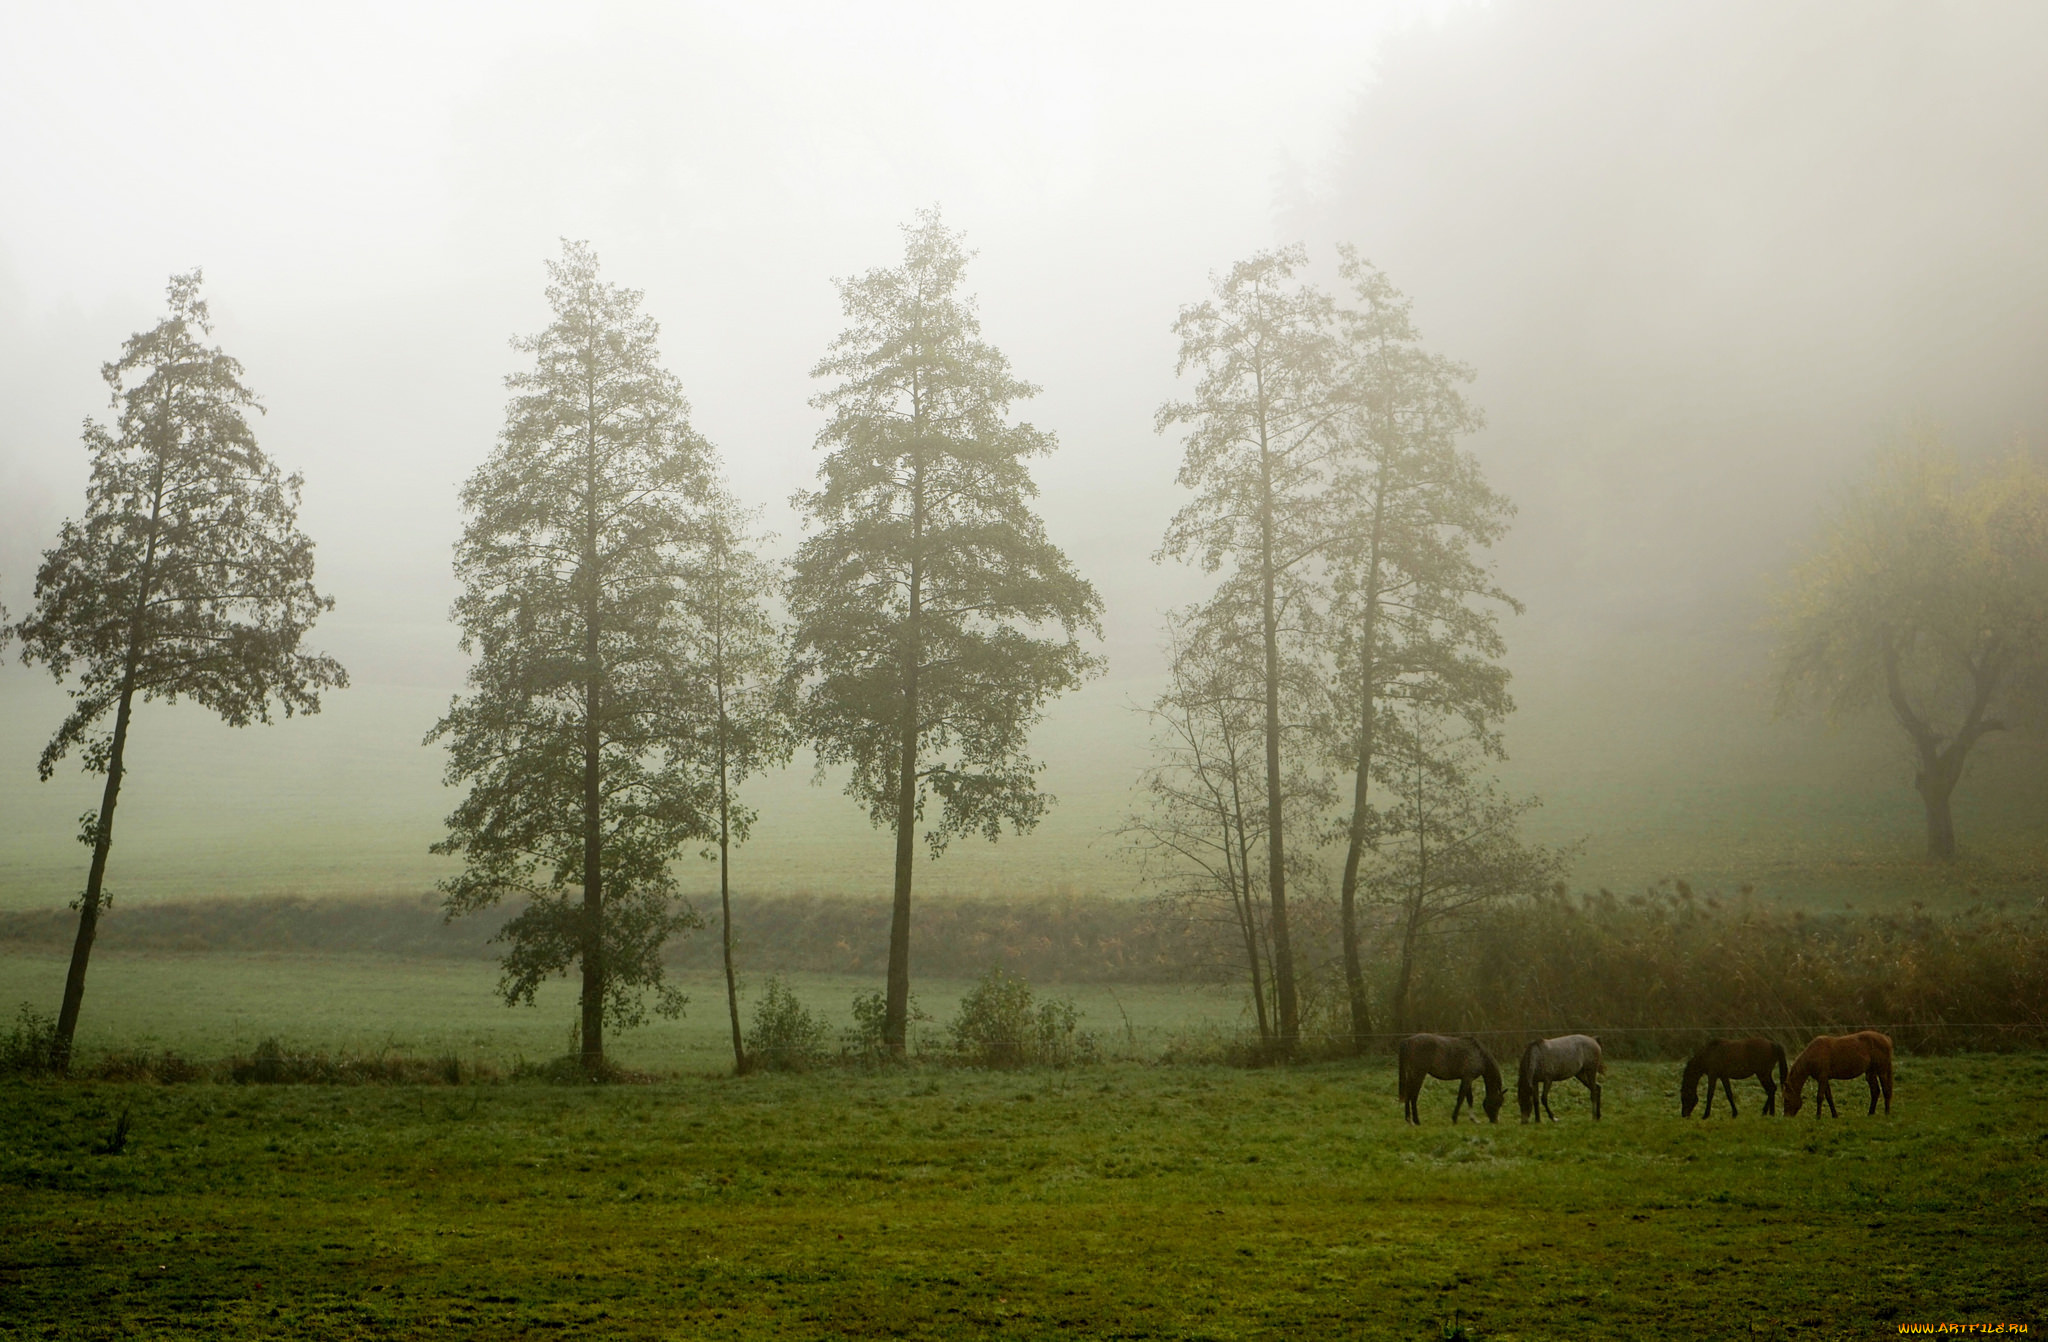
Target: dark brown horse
{"points": [[1448, 1059], [1728, 1060], [1841, 1057]]}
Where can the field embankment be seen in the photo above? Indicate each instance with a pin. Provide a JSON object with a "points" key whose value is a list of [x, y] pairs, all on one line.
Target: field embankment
{"points": [[1653, 974]]}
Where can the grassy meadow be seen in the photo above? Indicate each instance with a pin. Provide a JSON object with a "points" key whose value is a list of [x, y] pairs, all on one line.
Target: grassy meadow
{"points": [[1112, 1200], [207, 1006]]}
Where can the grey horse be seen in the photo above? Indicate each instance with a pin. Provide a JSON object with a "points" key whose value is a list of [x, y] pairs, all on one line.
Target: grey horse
{"points": [[1448, 1059], [1548, 1060]]}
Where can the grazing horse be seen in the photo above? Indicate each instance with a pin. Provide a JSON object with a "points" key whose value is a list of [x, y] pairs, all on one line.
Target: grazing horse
{"points": [[1841, 1057], [1548, 1060], [1725, 1061], [1447, 1059]]}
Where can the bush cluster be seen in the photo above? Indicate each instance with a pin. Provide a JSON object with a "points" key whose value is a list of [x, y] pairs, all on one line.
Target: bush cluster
{"points": [[786, 1035], [1001, 1023], [30, 1048]]}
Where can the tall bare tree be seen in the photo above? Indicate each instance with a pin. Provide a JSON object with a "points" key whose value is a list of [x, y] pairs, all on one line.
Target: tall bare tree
{"points": [[1414, 613], [576, 739], [188, 577], [932, 617], [1928, 590], [1258, 454]]}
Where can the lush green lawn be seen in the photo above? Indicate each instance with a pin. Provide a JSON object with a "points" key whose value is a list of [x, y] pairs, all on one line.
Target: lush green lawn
{"points": [[1117, 1200]]}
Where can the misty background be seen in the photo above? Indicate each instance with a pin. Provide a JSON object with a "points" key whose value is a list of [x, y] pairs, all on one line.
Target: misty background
{"points": [[1707, 260]]}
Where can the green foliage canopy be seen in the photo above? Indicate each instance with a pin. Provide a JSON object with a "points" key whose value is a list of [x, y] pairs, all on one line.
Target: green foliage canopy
{"points": [[933, 618], [576, 737]]}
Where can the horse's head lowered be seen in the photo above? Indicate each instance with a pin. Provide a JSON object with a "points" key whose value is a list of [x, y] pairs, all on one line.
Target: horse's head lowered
{"points": [[1495, 1091], [1689, 1089]]}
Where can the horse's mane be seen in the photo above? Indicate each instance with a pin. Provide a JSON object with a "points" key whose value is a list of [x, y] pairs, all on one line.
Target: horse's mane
{"points": [[1487, 1065]]}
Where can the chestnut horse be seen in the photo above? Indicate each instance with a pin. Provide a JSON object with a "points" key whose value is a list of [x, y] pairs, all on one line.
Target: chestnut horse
{"points": [[1841, 1057], [1447, 1059], [1726, 1060]]}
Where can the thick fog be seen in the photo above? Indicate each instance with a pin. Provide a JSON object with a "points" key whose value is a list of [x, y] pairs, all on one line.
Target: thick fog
{"points": [[1705, 259]]}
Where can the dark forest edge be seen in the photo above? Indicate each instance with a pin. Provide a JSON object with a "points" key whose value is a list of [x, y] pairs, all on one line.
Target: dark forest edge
{"points": [[1654, 973]]}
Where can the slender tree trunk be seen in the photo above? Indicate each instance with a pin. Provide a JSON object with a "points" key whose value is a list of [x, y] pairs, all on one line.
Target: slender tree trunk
{"points": [[896, 1008], [896, 1018], [103, 828], [593, 792], [1415, 904], [1406, 974], [1241, 899], [89, 905], [1276, 843], [1236, 836], [732, 988], [1354, 848]]}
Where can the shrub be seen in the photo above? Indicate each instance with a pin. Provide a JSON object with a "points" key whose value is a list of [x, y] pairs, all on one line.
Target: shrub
{"points": [[1001, 1025], [30, 1049], [786, 1035], [867, 1041]]}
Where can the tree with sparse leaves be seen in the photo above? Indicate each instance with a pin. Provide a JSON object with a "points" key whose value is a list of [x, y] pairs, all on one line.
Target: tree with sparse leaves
{"points": [[1413, 608], [733, 652], [1200, 834], [932, 617], [1259, 454], [187, 578], [1446, 841], [1928, 591], [577, 736]]}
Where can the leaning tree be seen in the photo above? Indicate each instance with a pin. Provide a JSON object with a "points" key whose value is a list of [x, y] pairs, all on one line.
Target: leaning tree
{"points": [[576, 736], [187, 578], [932, 617]]}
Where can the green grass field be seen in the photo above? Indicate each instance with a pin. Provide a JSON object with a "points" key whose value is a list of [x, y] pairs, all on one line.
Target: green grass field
{"points": [[211, 1005], [1115, 1200]]}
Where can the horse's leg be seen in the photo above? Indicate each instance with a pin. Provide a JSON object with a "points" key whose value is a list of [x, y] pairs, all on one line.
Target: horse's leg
{"points": [[1871, 1077], [1464, 1098], [1827, 1092], [1546, 1102], [1728, 1086], [1770, 1095], [1592, 1080], [1710, 1099], [1887, 1089]]}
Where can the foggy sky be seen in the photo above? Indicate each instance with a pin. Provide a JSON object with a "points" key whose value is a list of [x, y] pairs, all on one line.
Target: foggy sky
{"points": [[1705, 259]]}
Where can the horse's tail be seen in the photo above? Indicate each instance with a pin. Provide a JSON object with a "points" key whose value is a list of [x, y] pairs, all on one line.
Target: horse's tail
{"points": [[1525, 1071], [1778, 1056]]}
